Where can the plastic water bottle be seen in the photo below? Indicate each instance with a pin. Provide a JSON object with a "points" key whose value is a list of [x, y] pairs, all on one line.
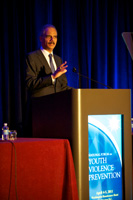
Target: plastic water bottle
{"points": [[5, 132]]}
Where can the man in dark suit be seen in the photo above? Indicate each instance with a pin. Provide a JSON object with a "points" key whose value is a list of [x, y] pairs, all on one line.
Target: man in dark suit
{"points": [[45, 73]]}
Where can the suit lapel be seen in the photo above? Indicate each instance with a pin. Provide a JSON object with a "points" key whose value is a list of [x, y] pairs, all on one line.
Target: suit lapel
{"points": [[58, 62], [43, 60]]}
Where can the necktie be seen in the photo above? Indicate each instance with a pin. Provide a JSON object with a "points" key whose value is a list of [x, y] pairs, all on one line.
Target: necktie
{"points": [[51, 63]]}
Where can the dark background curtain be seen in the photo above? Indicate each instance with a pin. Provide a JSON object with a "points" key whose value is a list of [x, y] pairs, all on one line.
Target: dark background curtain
{"points": [[89, 38]]}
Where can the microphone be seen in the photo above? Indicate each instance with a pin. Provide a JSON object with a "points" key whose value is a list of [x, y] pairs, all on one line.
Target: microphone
{"points": [[75, 71]]}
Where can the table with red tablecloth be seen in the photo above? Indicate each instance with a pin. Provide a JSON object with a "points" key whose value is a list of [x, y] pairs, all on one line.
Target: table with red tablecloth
{"points": [[37, 169]]}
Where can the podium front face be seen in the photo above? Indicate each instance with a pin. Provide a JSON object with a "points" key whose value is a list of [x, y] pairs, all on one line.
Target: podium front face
{"points": [[65, 115]]}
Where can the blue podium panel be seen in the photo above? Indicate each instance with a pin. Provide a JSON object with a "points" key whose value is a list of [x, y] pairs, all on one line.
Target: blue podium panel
{"points": [[105, 157]]}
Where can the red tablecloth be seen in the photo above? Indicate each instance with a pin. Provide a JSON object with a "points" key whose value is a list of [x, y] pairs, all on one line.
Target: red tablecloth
{"points": [[44, 169]]}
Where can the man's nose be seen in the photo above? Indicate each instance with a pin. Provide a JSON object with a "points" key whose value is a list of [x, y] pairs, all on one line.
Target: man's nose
{"points": [[52, 38]]}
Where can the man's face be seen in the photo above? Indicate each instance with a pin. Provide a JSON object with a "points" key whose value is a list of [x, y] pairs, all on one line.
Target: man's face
{"points": [[49, 39]]}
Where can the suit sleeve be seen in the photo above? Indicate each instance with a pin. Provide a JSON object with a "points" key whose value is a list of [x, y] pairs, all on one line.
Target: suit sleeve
{"points": [[36, 77]]}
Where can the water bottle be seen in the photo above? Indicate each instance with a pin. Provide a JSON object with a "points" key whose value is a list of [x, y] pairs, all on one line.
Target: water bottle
{"points": [[5, 132]]}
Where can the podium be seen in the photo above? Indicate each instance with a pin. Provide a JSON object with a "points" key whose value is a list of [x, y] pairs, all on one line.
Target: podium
{"points": [[65, 115]]}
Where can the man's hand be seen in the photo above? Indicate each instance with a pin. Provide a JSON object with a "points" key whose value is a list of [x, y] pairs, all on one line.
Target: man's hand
{"points": [[60, 70]]}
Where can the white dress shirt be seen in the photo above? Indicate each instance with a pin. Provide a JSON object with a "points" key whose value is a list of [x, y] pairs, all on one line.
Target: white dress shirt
{"points": [[46, 54]]}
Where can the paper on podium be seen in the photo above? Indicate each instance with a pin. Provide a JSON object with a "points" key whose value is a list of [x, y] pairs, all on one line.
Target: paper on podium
{"points": [[128, 39]]}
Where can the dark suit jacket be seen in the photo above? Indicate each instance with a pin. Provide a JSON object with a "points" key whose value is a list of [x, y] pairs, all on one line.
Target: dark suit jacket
{"points": [[38, 75]]}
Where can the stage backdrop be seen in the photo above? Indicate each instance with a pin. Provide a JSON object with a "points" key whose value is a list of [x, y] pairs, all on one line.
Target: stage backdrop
{"points": [[89, 38]]}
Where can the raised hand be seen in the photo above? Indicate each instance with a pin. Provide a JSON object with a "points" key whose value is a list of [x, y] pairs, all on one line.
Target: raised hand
{"points": [[60, 70]]}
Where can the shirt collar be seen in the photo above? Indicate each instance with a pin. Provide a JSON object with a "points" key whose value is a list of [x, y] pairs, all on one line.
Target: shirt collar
{"points": [[45, 51]]}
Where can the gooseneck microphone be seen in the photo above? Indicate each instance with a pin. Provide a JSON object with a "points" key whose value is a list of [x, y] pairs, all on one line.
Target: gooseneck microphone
{"points": [[75, 71]]}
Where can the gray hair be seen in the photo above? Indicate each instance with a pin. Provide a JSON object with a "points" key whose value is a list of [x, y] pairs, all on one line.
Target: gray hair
{"points": [[45, 27]]}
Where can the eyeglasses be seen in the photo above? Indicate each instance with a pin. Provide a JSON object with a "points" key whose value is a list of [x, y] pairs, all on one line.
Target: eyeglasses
{"points": [[50, 37]]}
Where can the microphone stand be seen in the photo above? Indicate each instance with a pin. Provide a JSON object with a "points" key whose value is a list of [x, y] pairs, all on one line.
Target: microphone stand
{"points": [[75, 71]]}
